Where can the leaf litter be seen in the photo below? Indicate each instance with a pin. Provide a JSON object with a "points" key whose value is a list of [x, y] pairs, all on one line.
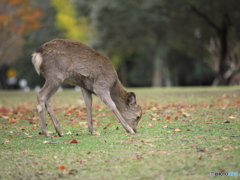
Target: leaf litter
{"points": [[171, 121]]}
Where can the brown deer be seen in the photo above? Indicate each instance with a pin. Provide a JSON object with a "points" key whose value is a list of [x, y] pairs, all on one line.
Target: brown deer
{"points": [[72, 62]]}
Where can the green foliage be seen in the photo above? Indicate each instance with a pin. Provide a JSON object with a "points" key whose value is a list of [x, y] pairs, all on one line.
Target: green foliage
{"points": [[116, 60], [74, 27]]}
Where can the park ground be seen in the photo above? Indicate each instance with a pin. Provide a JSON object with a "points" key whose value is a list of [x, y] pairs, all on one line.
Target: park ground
{"points": [[185, 133]]}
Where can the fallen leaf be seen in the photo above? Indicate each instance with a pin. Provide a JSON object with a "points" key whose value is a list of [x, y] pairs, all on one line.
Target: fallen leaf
{"points": [[224, 137], [97, 133], [73, 172], [154, 119], [232, 117], [32, 122], [50, 142], [74, 121], [153, 109], [80, 114], [162, 152], [70, 112], [62, 167], [107, 125], [73, 141], [150, 152], [201, 149], [225, 96], [208, 123], [186, 114], [139, 157], [131, 141], [69, 132], [169, 118], [227, 121], [177, 130], [150, 125]]}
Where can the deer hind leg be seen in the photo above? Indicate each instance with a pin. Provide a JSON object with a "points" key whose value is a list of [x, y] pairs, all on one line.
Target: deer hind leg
{"points": [[88, 101], [106, 98], [44, 98]]}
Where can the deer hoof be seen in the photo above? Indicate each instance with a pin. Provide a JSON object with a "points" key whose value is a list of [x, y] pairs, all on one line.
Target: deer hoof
{"points": [[131, 131]]}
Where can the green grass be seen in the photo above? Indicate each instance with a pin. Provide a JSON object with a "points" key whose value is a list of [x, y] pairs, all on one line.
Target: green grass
{"points": [[185, 133]]}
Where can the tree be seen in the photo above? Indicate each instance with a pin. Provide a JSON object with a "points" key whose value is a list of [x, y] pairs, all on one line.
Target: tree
{"points": [[153, 29], [124, 30], [73, 27], [17, 17], [35, 39], [218, 20]]}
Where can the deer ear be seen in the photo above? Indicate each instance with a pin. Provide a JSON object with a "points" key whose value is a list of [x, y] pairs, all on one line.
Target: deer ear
{"points": [[131, 98]]}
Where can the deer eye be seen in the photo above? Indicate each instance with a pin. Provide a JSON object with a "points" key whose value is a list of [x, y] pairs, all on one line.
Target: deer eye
{"points": [[138, 118]]}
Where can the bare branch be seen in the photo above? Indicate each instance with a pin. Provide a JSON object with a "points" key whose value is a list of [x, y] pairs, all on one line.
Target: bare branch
{"points": [[228, 20], [205, 17], [233, 61]]}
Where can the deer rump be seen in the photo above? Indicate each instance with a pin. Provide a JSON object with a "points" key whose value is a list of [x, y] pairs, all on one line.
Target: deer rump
{"points": [[75, 63]]}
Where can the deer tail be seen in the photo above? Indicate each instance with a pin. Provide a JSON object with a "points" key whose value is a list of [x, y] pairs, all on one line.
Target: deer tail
{"points": [[37, 60]]}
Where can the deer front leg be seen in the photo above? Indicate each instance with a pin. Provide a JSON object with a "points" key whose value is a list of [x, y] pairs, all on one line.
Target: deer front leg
{"points": [[88, 102], [106, 98]]}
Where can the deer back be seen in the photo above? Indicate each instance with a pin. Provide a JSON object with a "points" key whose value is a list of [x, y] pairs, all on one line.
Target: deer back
{"points": [[76, 64]]}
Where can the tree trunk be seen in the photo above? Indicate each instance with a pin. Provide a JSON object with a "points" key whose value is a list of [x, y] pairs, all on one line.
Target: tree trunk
{"points": [[222, 32], [167, 77], [158, 66], [223, 35]]}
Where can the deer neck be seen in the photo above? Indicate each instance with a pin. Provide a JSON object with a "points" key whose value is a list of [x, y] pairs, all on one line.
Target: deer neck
{"points": [[119, 96]]}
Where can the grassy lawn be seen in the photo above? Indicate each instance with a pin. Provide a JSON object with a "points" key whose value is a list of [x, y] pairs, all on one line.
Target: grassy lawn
{"points": [[185, 133]]}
